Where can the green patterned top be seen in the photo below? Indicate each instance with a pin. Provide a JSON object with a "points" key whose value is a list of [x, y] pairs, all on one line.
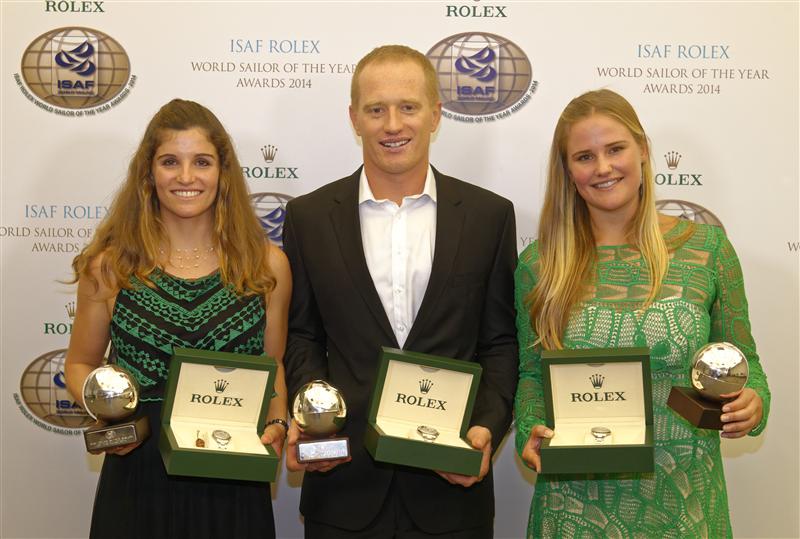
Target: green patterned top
{"points": [[148, 323], [702, 300]]}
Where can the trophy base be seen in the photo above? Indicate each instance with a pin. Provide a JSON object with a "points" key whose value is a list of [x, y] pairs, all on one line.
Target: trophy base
{"points": [[698, 411], [327, 449], [102, 437]]}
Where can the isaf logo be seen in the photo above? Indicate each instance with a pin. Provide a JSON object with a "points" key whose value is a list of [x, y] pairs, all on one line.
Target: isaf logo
{"points": [[482, 76], [76, 68], [81, 63], [482, 67], [43, 397]]}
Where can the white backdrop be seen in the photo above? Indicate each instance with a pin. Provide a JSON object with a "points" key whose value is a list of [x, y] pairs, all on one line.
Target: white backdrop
{"points": [[716, 83]]}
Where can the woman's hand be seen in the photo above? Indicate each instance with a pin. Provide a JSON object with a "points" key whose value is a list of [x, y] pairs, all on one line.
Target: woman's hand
{"points": [[530, 453], [742, 414], [120, 450], [274, 435]]}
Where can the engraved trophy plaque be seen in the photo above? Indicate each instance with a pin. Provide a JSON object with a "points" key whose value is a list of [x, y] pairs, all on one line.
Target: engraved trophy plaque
{"points": [[320, 411], [111, 396], [717, 369]]}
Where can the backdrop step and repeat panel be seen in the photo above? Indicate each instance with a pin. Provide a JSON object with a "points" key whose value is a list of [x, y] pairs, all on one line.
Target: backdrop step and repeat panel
{"points": [[716, 86]]}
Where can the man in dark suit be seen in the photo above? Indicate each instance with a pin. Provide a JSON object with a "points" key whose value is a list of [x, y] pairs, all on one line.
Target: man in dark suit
{"points": [[399, 255]]}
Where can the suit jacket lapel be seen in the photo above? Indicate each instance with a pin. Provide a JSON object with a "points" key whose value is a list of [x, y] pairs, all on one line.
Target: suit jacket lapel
{"points": [[347, 226], [449, 224]]}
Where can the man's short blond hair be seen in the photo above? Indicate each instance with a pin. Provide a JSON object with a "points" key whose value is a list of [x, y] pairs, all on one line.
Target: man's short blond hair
{"points": [[397, 53]]}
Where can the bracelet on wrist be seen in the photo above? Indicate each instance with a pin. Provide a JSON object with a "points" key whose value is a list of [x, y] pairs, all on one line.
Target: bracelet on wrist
{"points": [[281, 422]]}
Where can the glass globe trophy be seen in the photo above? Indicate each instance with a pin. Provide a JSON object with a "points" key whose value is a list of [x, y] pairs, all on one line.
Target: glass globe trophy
{"points": [[717, 369], [111, 396], [319, 409]]}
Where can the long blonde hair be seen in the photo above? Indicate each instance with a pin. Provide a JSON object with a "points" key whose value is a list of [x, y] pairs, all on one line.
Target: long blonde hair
{"points": [[567, 254], [132, 233]]}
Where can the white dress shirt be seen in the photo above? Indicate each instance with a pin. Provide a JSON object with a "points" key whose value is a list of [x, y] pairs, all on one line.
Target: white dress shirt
{"points": [[398, 245]]}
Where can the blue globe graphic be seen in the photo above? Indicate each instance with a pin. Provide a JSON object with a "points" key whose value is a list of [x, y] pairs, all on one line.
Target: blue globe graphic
{"points": [[270, 209]]}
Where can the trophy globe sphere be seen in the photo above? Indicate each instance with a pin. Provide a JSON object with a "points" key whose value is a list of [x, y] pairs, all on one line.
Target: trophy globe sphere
{"points": [[717, 369], [319, 408], [110, 393]]}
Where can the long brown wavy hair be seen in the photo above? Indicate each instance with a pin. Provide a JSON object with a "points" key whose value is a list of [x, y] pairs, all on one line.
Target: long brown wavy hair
{"points": [[567, 254], [132, 233]]}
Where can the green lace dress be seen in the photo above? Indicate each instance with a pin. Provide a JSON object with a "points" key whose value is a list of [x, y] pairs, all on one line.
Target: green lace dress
{"points": [[702, 300], [135, 496]]}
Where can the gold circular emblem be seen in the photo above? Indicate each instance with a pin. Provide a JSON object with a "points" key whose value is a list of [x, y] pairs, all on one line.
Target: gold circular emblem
{"points": [[75, 67]]}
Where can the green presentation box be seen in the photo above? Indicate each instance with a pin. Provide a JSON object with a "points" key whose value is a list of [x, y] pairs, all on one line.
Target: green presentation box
{"points": [[418, 394], [215, 408], [588, 392]]}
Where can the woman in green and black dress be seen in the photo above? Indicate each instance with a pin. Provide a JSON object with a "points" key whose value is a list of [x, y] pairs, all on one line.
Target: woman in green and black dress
{"points": [[181, 260], [608, 271]]}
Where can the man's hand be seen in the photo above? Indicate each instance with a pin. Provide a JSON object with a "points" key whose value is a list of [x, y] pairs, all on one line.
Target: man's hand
{"points": [[296, 435], [479, 438]]}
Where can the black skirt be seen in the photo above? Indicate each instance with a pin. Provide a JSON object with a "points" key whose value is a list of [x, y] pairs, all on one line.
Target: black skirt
{"points": [[136, 498]]}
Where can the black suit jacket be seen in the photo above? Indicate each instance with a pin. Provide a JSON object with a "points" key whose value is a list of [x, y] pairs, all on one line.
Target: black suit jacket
{"points": [[337, 325]]}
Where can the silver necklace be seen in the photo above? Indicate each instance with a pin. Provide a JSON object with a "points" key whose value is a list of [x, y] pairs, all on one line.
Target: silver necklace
{"points": [[188, 258]]}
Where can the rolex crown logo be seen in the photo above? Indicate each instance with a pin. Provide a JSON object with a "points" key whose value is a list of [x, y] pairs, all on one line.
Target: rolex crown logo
{"points": [[673, 158], [597, 380], [70, 307], [269, 151], [425, 385], [220, 386]]}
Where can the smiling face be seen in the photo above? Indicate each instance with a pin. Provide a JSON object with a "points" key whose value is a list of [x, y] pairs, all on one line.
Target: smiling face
{"points": [[186, 175], [395, 118], [605, 164]]}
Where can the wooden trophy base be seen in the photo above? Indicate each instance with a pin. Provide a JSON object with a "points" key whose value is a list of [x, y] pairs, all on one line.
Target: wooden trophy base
{"points": [[697, 410]]}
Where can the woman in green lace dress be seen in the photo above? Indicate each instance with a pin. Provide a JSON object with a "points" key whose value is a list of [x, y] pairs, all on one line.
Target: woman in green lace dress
{"points": [[608, 271], [180, 261]]}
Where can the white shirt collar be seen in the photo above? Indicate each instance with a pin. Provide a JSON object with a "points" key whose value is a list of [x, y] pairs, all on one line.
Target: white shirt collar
{"points": [[365, 192]]}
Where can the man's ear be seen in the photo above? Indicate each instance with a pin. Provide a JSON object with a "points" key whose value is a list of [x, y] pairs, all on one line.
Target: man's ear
{"points": [[437, 116], [353, 115]]}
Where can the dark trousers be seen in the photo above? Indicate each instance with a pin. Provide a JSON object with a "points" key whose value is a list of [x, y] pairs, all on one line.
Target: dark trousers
{"points": [[392, 522]]}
